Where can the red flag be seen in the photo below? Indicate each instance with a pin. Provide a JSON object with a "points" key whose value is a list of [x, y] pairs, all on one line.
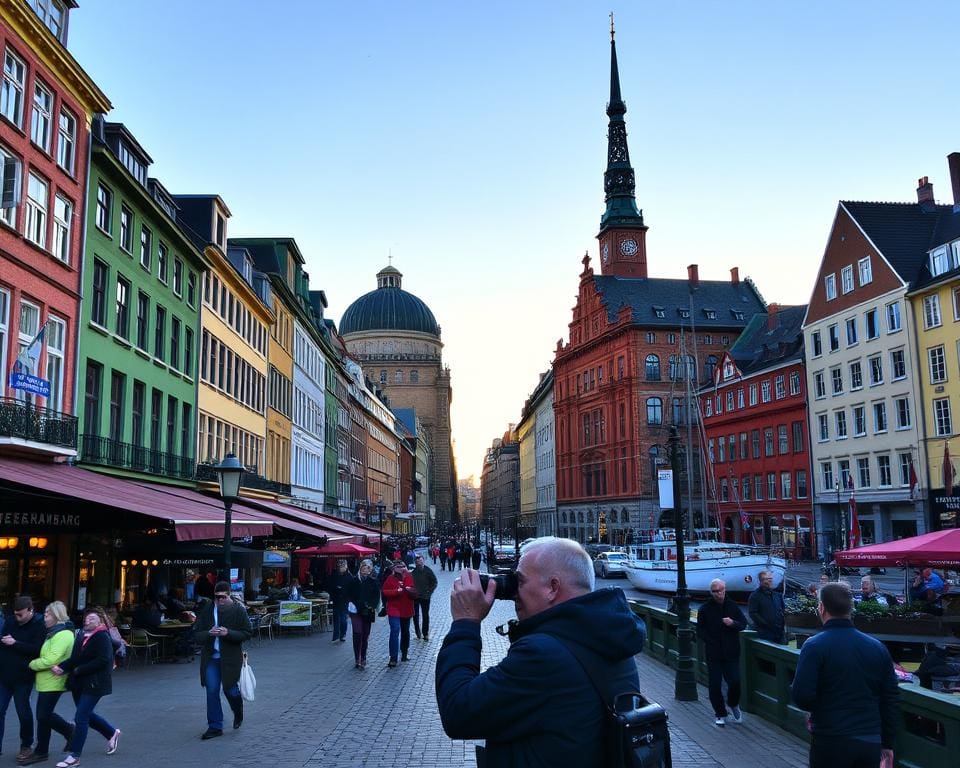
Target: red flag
{"points": [[913, 478], [947, 470], [854, 524]]}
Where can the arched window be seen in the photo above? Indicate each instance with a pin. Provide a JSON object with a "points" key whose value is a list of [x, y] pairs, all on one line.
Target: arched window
{"points": [[414, 377], [654, 410], [655, 454], [710, 367], [383, 377], [652, 368], [674, 368], [580, 517], [691, 372], [398, 377], [563, 518]]}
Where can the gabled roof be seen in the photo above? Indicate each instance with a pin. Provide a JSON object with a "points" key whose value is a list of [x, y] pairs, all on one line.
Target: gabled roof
{"points": [[716, 304], [760, 347]]}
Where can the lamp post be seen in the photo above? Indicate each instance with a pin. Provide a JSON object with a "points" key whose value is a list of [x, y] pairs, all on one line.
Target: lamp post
{"points": [[685, 684], [229, 472], [843, 519], [380, 509]]}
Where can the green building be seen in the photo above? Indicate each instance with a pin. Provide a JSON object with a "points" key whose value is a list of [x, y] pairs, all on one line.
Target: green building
{"points": [[140, 319]]}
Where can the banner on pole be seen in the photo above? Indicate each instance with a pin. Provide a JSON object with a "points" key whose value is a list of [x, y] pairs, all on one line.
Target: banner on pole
{"points": [[665, 483]]}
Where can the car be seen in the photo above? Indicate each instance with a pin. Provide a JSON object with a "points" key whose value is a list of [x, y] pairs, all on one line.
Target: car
{"points": [[504, 559], [608, 564]]}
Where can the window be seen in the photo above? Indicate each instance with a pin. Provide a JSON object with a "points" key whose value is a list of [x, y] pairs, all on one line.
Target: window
{"points": [[880, 416], [941, 417], [740, 398], [956, 303], [178, 277], [836, 380], [11, 97], [104, 208], [651, 337], [758, 487], [859, 421], [162, 270], [826, 475], [398, 377], [744, 446], [786, 492], [42, 116], [768, 441], [192, 302], [747, 487], [188, 352], [732, 448], [753, 394], [938, 365], [872, 323], [846, 278], [91, 398], [118, 383], [709, 367], [35, 229], [66, 141], [50, 13], [876, 370], [943, 260], [765, 391], [780, 387], [729, 401], [902, 407], [823, 427], [126, 229], [652, 368], [816, 343], [160, 333], [98, 303], [722, 450], [931, 311], [724, 491], [834, 337], [139, 401], [819, 387], [771, 486], [893, 317], [863, 472], [906, 467], [62, 218], [898, 365], [10, 172], [755, 442], [830, 286], [856, 375], [143, 319], [795, 383], [783, 439], [883, 470], [677, 411], [865, 270], [175, 342], [654, 410], [123, 308], [843, 469], [851, 331], [840, 422], [56, 335], [801, 484]]}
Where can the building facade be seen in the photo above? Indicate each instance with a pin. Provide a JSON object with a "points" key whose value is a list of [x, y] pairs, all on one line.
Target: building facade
{"points": [[500, 488]]}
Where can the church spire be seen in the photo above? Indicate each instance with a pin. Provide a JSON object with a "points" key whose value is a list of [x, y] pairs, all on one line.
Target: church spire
{"points": [[618, 180]]}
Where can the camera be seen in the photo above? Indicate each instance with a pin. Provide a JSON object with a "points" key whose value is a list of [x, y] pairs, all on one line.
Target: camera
{"points": [[507, 585]]}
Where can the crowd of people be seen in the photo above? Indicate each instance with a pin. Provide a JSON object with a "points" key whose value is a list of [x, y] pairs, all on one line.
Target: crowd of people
{"points": [[455, 554]]}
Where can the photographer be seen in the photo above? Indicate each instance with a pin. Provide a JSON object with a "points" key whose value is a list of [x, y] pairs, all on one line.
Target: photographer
{"points": [[538, 706]]}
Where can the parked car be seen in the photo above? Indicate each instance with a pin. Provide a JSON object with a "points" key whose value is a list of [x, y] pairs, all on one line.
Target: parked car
{"points": [[608, 564]]}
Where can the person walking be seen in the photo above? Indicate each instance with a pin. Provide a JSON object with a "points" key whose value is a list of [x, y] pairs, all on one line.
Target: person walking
{"points": [[20, 641], [90, 667], [845, 680], [452, 556], [719, 624], [338, 585], [398, 592], [765, 608], [475, 557], [425, 582], [56, 649], [362, 607], [443, 557], [221, 629]]}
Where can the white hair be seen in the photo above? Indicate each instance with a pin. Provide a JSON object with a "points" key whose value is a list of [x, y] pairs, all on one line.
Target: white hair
{"points": [[715, 582], [563, 557]]}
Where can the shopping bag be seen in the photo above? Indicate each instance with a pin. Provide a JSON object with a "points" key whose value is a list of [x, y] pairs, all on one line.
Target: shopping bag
{"points": [[248, 682]]}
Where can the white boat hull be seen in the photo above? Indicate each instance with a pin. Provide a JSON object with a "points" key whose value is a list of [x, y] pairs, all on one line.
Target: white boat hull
{"points": [[739, 572]]}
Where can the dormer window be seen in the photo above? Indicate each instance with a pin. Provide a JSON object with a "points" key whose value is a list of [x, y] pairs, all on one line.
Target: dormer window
{"points": [[737, 315], [684, 313], [659, 312], [710, 314], [53, 14], [945, 258], [221, 231], [133, 164]]}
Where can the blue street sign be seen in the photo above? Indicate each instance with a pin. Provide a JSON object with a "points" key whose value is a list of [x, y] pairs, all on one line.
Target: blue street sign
{"points": [[31, 384]]}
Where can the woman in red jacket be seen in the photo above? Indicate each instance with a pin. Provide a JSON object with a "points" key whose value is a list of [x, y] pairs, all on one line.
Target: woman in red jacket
{"points": [[398, 593]]}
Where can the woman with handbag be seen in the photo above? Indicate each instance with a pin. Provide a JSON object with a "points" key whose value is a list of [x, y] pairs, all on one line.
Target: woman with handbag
{"points": [[364, 595], [399, 592]]}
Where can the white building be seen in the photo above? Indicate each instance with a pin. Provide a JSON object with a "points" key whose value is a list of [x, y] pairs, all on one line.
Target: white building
{"points": [[307, 443]]}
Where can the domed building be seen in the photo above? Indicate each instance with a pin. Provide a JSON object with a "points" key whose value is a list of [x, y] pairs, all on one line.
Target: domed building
{"points": [[396, 338]]}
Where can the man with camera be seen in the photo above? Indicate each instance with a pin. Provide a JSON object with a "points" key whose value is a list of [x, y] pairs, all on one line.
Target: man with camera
{"points": [[538, 705]]}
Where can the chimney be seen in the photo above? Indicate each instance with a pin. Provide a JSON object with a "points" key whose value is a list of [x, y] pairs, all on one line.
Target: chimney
{"points": [[735, 275], [925, 194], [953, 160], [773, 316], [693, 276]]}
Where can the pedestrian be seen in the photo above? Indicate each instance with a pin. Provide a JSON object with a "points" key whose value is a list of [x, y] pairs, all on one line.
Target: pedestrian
{"points": [[475, 557], [90, 670], [56, 649], [20, 641], [442, 550], [398, 592], [845, 680], [434, 552], [538, 705], [425, 582], [719, 624], [364, 603], [765, 608], [220, 630], [452, 556], [338, 585]]}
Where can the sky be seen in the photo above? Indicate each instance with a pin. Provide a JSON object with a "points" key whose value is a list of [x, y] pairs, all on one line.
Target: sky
{"points": [[468, 142]]}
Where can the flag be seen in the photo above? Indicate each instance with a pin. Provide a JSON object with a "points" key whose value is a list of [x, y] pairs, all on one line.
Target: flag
{"points": [[32, 352], [850, 482], [948, 477], [854, 524], [913, 479], [744, 520]]}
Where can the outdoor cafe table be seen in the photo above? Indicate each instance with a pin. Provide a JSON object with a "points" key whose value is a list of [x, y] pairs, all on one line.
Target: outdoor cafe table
{"points": [[167, 631]]}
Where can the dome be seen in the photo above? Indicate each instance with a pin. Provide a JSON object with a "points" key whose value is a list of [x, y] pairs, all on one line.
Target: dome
{"points": [[389, 308]]}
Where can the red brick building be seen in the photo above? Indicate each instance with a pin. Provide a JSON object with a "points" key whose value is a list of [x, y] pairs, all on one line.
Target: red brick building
{"points": [[46, 106], [621, 378], [755, 423]]}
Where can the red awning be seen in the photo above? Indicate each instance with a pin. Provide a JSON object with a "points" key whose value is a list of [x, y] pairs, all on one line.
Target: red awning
{"points": [[940, 548], [193, 515], [336, 549], [333, 527]]}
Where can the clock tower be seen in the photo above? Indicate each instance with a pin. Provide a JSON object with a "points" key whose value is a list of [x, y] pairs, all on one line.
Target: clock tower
{"points": [[622, 236]]}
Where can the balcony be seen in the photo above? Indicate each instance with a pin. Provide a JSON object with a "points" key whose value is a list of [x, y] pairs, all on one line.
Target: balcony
{"points": [[106, 452], [23, 421], [249, 479]]}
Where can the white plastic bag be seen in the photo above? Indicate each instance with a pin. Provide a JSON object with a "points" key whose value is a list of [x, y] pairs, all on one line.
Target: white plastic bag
{"points": [[351, 608], [248, 681]]}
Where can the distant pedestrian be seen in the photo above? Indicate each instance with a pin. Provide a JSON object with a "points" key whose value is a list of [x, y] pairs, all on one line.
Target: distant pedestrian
{"points": [[338, 586], [398, 592], [467, 554], [425, 582], [452, 556], [363, 606], [766, 610], [719, 624], [475, 558], [434, 552], [442, 551], [845, 680], [20, 640]]}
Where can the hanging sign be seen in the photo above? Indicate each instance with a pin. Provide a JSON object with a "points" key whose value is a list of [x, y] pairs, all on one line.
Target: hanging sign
{"points": [[665, 483]]}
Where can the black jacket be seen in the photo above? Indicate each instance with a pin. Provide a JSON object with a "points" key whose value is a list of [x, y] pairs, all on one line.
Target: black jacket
{"points": [[365, 595], [845, 680], [91, 664], [338, 585], [15, 659], [537, 707], [766, 614], [233, 616], [722, 643]]}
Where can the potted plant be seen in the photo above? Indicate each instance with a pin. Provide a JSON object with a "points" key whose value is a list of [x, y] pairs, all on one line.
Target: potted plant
{"points": [[801, 612]]}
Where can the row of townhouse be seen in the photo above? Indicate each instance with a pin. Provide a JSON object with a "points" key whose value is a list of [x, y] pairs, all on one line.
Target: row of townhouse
{"points": [[139, 340]]}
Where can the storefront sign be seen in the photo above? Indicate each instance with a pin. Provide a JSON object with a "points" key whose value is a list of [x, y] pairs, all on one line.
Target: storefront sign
{"points": [[38, 519], [276, 559], [187, 561], [32, 384], [665, 484]]}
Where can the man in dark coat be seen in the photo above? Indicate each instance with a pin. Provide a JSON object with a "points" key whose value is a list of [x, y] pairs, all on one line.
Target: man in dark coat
{"points": [[538, 705], [20, 641], [425, 581], [338, 585], [221, 628], [765, 608], [845, 680], [719, 624]]}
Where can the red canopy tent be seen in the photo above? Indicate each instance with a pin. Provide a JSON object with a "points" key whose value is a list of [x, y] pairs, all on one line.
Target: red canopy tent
{"points": [[940, 549], [336, 549]]}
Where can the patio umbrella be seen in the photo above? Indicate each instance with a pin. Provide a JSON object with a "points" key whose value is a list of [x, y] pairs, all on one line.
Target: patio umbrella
{"points": [[336, 549], [939, 548]]}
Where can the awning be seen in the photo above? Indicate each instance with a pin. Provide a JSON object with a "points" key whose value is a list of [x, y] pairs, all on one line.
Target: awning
{"points": [[193, 515], [939, 548], [333, 528]]}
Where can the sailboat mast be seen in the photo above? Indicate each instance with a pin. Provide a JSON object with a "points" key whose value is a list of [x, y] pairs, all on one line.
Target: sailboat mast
{"points": [[689, 397]]}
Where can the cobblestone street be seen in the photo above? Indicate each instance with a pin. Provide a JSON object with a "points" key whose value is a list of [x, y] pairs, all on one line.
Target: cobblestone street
{"points": [[314, 709]]}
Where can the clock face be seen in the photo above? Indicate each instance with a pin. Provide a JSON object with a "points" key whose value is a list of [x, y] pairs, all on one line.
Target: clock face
{"points": [[628, 247], [606, 253]]}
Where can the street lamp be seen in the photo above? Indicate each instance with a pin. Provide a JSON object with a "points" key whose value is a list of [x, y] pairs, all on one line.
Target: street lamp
{"points": [[843, 520], [380, 509], [229, 472], [685, 685]]}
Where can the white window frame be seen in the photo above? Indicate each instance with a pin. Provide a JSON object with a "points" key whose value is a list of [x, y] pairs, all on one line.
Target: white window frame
{"points": [[13, 88], [863, 471], [823, 428], [859, 421], [846, 279], [851, 326], [41, 115], [856, 376], [11, 186], [901, 407], [894, 376], [56, 339], [884, 468], [24, 337], [876, 324], [794, 383], [66, 140], [35, 223], [840, 424], [942, 417], [819, 386], [876, 370], [866, 271], [4, 333], [894, 321], [931, 311], [938, 372], [881, 423], [833, 337], [830, 286], [62, 224]]}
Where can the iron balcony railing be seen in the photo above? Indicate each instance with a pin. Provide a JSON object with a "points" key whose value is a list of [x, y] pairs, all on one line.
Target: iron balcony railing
{"points": [[42, 425], [113, 453], [250, 479]]}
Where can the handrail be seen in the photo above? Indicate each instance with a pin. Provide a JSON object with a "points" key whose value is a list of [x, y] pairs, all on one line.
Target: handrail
{"points": [[24, 420]]}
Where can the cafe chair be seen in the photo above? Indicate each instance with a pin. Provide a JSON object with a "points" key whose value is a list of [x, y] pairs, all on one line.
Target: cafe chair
{"points": [[265, 622], [141, 645]]}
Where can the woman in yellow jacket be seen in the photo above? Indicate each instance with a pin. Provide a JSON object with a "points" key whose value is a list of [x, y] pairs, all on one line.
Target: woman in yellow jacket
{"points": [[56, 649]]}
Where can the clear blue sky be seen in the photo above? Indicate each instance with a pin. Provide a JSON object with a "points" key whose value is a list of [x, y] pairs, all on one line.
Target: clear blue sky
{"points": [[469, 140]]}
